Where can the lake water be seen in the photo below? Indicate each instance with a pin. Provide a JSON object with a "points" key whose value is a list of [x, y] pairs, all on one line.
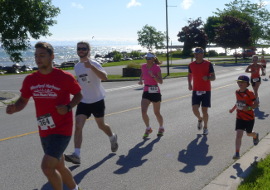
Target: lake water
{"points": [[68, 53]]}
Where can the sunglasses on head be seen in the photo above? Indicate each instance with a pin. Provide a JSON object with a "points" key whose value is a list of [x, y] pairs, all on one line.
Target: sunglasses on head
{"points": [[148, 58], [82, 49]]}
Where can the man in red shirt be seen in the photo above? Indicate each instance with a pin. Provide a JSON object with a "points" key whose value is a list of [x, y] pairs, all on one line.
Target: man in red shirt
{"points": [[51, 89], [201, 73]]}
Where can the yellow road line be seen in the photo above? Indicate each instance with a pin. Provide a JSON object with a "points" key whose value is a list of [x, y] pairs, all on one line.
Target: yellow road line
{"points": [[114, 113]]}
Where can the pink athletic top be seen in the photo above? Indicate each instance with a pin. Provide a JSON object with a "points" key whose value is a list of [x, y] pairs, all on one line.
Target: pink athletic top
{"points": [[148, 80]]}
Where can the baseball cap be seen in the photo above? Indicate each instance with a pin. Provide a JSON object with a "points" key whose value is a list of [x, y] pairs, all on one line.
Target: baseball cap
{"points": [[198, 50], [150, 55], [243, 78]]}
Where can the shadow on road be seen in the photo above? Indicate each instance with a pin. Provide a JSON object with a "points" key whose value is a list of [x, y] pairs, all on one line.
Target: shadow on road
{"points": [[78, 178], [135, 156], [260, 114], [195, 154]]}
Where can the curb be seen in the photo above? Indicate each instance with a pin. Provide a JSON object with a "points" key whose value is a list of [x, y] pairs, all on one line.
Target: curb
{"points": [[232, 177]]}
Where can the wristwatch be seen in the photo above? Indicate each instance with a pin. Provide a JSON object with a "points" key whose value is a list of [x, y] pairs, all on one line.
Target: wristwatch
{"points": [[69, 107]]}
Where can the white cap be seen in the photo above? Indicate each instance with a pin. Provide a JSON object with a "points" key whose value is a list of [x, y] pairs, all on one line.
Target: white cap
{"points": [[150, 55]]}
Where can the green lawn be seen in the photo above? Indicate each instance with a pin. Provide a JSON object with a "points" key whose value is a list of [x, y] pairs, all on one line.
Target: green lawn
{"points": [[259, 178]]}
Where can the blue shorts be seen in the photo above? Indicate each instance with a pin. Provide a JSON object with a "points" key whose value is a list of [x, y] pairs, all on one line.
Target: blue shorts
{"points": [[152, 97], [97, 109], [202, 98], [245, 125], [54, 145]]}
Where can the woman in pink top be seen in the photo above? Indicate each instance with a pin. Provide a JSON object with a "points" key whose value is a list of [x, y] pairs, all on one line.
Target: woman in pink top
{"points": [[255, 78], [151, 75]]}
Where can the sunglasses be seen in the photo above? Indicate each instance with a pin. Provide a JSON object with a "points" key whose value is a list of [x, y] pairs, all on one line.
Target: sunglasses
{"points": [[149, 58], [198, 51], [82, 49]]}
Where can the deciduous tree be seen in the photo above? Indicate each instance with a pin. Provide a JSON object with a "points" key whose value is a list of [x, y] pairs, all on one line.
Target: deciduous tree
{"points": [[21, 20]]}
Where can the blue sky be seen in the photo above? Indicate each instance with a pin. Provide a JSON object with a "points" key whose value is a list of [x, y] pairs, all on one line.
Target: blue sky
{"points": [[120, 20]]}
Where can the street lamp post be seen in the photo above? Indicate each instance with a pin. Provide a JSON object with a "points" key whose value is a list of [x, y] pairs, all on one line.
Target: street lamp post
{"points": [[167, 39]]}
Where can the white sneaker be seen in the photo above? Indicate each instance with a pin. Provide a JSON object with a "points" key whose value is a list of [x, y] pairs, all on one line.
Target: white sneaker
{"points": [[205, 131], [114, 144], [73, 158]]}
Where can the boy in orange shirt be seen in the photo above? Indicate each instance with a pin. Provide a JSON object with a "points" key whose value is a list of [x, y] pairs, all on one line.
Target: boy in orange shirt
{"points": [[245, 103]]}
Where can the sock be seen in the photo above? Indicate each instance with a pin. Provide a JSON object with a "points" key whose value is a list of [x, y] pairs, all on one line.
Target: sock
{"points": [[148, 128], [111, 137], [161, 127], [76, 188], [77, 151]]}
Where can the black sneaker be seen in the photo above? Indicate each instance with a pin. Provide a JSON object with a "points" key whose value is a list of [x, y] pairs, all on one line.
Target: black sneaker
{"points": [[236, 156], [256, 140]]}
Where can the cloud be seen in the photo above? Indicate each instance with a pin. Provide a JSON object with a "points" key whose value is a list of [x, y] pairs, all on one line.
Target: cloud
{"points": [[133, 3], [186, 4], [76, 5]]}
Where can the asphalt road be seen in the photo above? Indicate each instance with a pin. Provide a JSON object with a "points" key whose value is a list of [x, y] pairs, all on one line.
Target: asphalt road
{"points": [[182, 159]]}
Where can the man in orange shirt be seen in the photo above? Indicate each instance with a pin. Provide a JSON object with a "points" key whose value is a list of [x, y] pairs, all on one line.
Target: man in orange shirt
{"points": [[201, 73]]}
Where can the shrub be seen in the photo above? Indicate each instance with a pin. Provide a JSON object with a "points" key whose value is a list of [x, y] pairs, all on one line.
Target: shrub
{"points": [[134, 65]]}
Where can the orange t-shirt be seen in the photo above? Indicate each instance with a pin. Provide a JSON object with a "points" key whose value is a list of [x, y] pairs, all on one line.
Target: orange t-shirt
{"points": [[244, 99], [255, 70]]}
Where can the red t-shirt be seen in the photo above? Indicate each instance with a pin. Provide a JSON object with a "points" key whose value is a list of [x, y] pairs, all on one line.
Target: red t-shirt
{"points": [[48, 91], [244, 99], [198, 71]]}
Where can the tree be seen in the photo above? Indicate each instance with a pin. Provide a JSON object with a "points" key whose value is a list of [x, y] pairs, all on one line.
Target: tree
{"points": [[193, 35], [257, 11], [211, 24], [233, 33], [22, 20], [149, 37]]}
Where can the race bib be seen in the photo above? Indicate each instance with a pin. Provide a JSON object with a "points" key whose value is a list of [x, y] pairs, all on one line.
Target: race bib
{"points": [[240, 105], [153, 89], [199, 93], [255, 79], [45, 122], [84, 78]]}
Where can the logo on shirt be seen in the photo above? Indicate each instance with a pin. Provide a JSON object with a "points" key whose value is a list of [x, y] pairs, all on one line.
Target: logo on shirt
{"points": [[44, 91]]}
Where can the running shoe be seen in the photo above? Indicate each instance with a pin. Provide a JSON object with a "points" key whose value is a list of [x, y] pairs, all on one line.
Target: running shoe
{"points": [[199, 125], [205, 131], [160, 132], [256, 140], [73, 158], [147, 132], [114, 144], [236, 156]]}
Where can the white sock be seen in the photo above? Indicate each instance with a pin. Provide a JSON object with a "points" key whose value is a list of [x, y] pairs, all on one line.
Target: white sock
{"points": [[148, 128], [77, 151], [76, 188], [112, 137]]}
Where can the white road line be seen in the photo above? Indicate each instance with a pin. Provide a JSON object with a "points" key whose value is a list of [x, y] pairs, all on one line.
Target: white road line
{"points": [[124, 87]]}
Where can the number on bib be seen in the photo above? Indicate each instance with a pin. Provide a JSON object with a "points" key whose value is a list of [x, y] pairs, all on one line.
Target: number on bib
{"points": [[45, 122]]}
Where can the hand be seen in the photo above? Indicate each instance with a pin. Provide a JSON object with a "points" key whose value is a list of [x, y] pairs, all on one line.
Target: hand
{"points": [[87, 63], [62, 109], [190, 87], [140, 83], [11, 109], [231, 110], [205, 78]]}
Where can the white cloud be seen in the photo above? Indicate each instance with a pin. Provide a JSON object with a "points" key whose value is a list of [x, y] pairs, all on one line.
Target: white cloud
{"points": [[76, 5], [133, 3], [186, 4]]}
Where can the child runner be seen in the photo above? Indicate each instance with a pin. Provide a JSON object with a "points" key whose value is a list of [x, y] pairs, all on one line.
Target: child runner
{"points": [[245, 103]]}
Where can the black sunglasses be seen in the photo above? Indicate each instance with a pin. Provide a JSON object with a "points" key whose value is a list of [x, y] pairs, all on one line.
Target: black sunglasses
{"points": [[83, 49]]}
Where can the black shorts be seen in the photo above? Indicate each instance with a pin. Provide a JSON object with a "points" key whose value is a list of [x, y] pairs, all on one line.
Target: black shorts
{"points": [[152, 97], [97, 109], [54, 145], [245, 125], [204, 99], [253, 83]]}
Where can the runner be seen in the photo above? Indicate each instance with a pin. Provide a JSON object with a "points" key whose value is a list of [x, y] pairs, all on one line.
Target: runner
{"points": [[255, 69], [89, 74], [51, 89], [263, 63], [151, 77], [201, 72], [245, 103]]}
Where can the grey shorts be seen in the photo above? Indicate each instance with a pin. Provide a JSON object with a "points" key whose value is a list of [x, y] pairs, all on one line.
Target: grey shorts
{"points": [[55, 145]]}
